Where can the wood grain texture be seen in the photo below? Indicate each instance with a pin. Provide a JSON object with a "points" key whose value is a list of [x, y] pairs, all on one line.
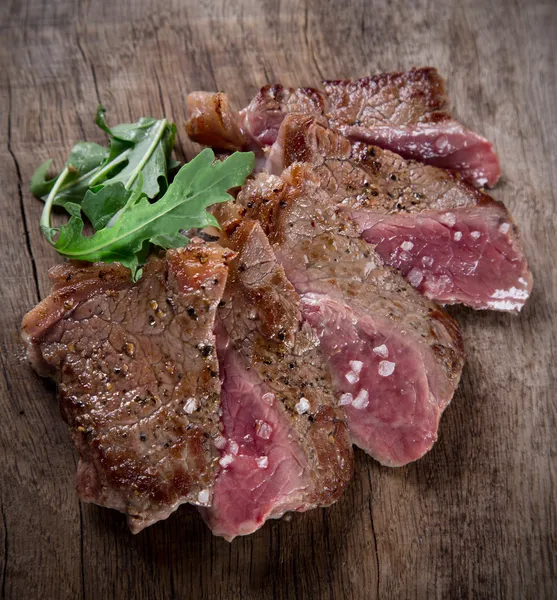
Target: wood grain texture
{"points": [[476, 518]]}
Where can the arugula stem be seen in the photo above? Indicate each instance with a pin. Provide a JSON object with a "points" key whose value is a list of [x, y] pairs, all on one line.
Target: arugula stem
{"points": [[45, 216], [133, 175], [116, 161]]}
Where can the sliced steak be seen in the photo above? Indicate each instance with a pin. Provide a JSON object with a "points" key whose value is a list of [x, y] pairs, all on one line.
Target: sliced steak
{"points": [[451, 241], [285, 445], [138, 377], [396, 357], [212, 122], [402, 112]]}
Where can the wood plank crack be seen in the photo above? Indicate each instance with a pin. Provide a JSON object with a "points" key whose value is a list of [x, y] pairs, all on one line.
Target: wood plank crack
{"points": [[28, 246], [376, 548]]}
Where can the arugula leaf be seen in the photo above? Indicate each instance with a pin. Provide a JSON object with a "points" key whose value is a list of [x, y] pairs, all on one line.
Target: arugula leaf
{"points": [[199, 184], [84, 161], [143, 147], [99, 207], [152, 143]]}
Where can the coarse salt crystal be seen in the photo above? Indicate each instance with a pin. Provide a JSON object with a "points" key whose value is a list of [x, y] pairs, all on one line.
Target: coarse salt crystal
{"points": [[381, 351], [415, 277], [457, 236], [345, 399], [352, 377], [262, 462], [302, 406], [522, 281], [407, 246], [203, 497], [504, 227], [448, 219], [386, 368], [191, 405], [441, 142], [263, 430], [268, 398], [361, 400], [220, 442], [427, 261], [226, 460], [233, 447], [356, 365], [482, 181], [475, 235]]}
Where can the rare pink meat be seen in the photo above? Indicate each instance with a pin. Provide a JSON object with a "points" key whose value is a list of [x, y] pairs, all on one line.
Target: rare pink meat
{"points": [[284, 443], [264, 473], [402, 112], [453, 242], [382, 382], [395, 356], [466, 255]]}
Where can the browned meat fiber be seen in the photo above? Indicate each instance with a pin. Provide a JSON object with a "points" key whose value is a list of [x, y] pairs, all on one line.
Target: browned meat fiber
{"points": [[138, 377]]}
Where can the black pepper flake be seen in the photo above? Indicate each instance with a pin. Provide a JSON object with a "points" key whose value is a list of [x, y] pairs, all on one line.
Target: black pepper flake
{"points": [[242, 267], [151, 320], [206, 350], [101, 274], [291, 365], [374, 193], [249, 204], [371, 151], [213, 373], [142, 437], [192, 313], [281, 335], [267, 361], [222, 303], [282, 203], [69, 277]]}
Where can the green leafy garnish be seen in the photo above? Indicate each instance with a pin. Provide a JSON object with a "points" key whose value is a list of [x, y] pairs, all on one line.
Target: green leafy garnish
{"points": [[142, 147], [126, 222]]}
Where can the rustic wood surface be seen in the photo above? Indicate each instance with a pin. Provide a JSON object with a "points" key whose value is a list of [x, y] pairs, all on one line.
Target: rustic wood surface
{"points": [[476, 518]]}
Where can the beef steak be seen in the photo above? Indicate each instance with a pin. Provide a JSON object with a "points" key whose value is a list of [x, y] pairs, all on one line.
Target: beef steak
{"points": [[453, 242], [395, 356], [285, 444], [402, 112], [138, 377]]}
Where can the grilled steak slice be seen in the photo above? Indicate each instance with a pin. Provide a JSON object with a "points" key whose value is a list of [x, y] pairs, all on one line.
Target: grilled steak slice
{"points": [[138, 377], [212, 122], [286, 445], [451, 241], [402, 112], [396, 357]]}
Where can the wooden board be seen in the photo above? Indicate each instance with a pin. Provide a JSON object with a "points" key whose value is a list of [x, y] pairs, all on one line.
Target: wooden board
{"points": [[476, 518]]}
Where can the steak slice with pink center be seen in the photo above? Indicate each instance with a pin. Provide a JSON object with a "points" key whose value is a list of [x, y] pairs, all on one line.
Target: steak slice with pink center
{"points": [[285, 446], [402, 112], [137, 377], [382, 381], [453, 242], [356, 304]]}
